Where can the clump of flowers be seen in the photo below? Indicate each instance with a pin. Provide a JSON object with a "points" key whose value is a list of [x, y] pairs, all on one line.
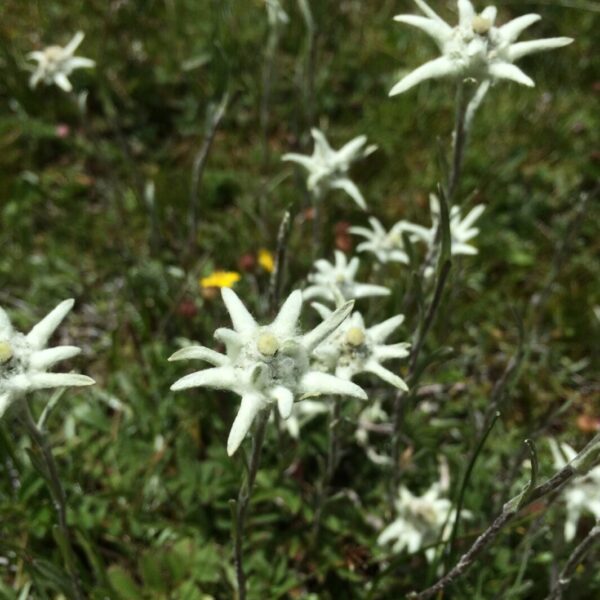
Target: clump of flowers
{"points": [[266, 364], [475, 48], [340, 276], [56, 63], [25, 359], [354, 349], [387, 246], [328, 168], [582, 495]]}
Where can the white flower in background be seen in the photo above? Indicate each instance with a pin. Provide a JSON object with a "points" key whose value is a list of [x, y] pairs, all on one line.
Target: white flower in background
{"points": [[475, 48], [275, 13], [303, 412], [328, 168], [582, 495], [421, 521], [353, 348], [373, 419], [461, 229], [386, 246], [265, 364], [55, 64], [24, 359], [340, 276]]}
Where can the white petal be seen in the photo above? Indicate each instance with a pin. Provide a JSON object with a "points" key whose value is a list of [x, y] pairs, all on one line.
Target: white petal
{"points": [[62, 81], [313, 338], [383, 330], [365, 290], [490, 13], [43, 359], [284, 399], [353, 266], [439, 67], [79, 62], [349, 151], [242, 320], [5, 324], [377, 226], [392, 351], [362, 231], [230, 338], [466, 12], [249, 408], [438, 30], [472, 216], [5, 402], [74, 43], [323, 311], [350, 188], [427, 10], [458, 248], [41, 381], [520, 49], [305, 161], [322, 146], [38, 337], [287, 318], [200, 353], [220, 378], [504, 70], [315, 383], [513, 29], [386, 375]]}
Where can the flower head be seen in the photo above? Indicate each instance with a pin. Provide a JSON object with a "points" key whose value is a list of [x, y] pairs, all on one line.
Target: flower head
{"points": [[353, 348], [387, 246], [582, 495], [476, 48], [328, 168], [340, 276], [220, 279], [265, 364], [24, 358], [55, 64]]}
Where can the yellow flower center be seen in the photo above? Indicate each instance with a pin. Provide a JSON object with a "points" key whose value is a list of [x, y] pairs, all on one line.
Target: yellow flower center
{"points": [[267, 344], [53, 53], [481, 25], [355, 336], [6, 352]]}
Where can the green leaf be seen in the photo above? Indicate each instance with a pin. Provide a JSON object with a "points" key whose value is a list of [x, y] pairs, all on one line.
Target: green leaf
{"points": [[123, 584]]}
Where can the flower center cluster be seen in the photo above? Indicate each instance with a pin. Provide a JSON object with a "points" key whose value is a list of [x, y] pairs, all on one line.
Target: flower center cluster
{"points": [[481, 25], [6, 352], [355, 336]]}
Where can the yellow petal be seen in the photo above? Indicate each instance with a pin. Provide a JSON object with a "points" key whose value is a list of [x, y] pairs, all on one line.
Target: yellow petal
{"points": [[220, 279]]}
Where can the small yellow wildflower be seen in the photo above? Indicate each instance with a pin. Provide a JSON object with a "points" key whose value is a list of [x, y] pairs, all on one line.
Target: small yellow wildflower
{"points": [[220, 279], [266, 260]]}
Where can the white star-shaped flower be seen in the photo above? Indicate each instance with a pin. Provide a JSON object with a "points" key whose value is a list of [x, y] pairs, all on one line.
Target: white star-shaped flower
{"points": [[582, 495], [387, 246], [275, 13], [265, 364], [55, 64], [24, 359], [475, 48], [420, 521], [328, 168], [353, 348], [340, 276]]}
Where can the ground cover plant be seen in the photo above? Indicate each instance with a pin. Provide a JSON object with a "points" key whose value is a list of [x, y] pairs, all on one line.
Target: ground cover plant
{"points": [[299, 299]]}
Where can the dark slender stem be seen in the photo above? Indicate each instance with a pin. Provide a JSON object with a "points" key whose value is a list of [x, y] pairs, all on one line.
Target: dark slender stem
{"points": [[459, 142], [59, 498], [265, 105], [243, 501]]}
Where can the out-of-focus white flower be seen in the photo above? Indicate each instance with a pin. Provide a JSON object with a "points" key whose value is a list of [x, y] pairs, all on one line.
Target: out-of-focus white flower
{"points": [[582, 495], [275, 13], [475, 48], [303, 412], [24, 359], [461, 229], [420, 522], [328, 168], [340, 276], [387, 246], [55, 64], [372, 418], [355, 349], [265, 364]]}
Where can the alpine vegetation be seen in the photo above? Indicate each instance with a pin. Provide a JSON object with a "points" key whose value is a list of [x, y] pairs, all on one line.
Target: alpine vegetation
{"points": [[266, 364], [327, 169], [56, 63], [475, 48], [25, 358]]}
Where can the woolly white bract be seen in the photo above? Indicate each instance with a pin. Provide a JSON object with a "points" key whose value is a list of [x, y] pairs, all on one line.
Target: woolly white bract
{"points": [[475, 48], [582, 495], [355, 349], [387, 246], [55, 64], [340, 276], [328, 168], [24, 359], [265, 364]]}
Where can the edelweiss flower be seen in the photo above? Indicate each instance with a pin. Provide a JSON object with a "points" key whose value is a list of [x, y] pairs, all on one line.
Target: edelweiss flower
{"points": [[475, 48], [55, 64], [275, 13], [461, 230], [265, 364], [24, 359], [421, 520], [340, 276], [386, 246], [582, 495], [354, 349], [328, 168]]}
